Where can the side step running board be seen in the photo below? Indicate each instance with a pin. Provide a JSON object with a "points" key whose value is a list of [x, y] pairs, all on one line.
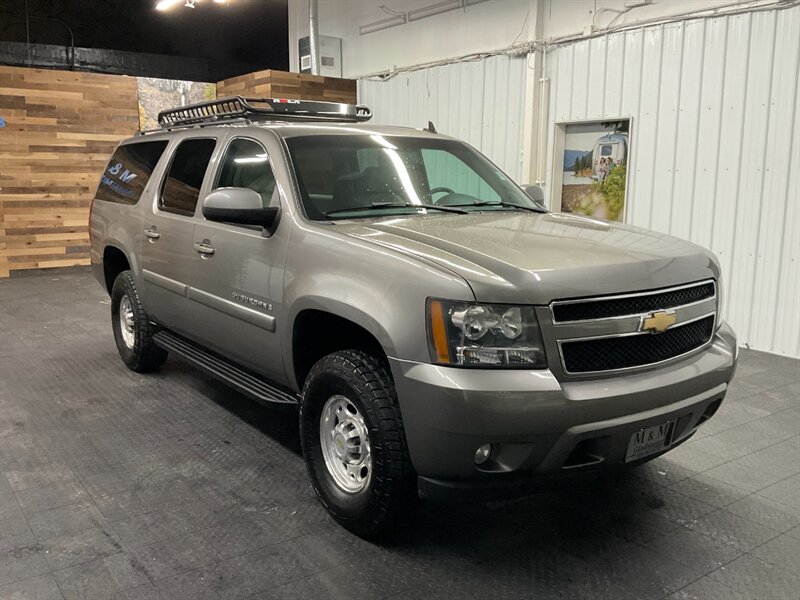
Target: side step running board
{"points": [[236, 377]]}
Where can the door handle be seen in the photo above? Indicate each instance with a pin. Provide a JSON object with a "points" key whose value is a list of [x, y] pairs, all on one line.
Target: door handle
{"points": [[205, 248], [152, 233]]}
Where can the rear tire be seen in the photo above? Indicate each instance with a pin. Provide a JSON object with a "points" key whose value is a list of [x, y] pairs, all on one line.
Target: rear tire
{"points": [[366, 482], [133, 331]]}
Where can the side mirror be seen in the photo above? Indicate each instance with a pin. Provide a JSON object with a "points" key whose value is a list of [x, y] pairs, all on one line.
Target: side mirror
{"points": [[536, 194], [238, 205]]}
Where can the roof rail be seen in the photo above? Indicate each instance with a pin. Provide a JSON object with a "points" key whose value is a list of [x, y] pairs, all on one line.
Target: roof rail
{"points": [[237, 107]]}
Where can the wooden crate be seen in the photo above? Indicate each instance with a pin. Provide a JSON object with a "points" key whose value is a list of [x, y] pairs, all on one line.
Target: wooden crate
{"points": [[61, 127], [279, 84]]}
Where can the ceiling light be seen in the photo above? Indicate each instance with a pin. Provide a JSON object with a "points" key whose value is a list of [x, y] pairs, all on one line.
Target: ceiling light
{"points": [[166, 4]]}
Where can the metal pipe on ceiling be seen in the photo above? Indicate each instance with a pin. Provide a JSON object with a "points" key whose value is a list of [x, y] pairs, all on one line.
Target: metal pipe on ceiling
{"points": [[313, 34], [400, 18]]}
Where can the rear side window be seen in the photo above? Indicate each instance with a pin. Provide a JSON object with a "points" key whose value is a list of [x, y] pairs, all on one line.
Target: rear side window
{"points": [[128, 172], [181, 187]]}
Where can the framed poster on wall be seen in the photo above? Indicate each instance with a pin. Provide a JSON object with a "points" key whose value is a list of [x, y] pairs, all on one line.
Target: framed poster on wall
{"points": [[591, 168], [156, 95]]}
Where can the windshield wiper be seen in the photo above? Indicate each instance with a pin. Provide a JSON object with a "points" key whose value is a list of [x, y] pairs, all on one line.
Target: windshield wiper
{"points": [[508, 205], [382, 205]]}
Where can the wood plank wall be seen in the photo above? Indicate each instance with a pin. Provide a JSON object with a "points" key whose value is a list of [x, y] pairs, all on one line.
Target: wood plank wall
{"points": [[61, 127], [279, 84]]}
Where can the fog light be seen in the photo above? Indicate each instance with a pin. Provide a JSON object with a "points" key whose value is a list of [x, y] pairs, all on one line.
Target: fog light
{"points": [[482, 454]]}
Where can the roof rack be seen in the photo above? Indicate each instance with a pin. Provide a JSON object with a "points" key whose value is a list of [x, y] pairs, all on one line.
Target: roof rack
{"points": [[237, 107]]}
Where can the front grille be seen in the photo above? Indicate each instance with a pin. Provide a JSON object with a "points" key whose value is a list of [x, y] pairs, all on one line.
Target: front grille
{"points": [[606, 354], [631, 305]]}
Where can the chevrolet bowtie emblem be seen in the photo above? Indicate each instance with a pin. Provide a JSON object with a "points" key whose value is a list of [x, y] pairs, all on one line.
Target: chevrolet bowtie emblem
{"points": [[658, 322]]}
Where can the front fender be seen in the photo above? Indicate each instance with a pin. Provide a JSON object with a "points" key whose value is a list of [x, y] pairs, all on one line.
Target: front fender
{"points": [[381, 290], [340, 309]]}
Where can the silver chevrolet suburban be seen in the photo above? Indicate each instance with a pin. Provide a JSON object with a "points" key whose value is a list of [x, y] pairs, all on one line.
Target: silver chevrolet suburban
{"points": [[442, 333]]}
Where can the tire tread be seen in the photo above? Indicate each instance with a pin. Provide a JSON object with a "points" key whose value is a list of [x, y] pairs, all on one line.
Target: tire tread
{"points": [[146, 356], [395, 492]]}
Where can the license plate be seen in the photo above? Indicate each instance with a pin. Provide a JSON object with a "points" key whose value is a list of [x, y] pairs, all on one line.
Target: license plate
{"points": [[649, 441]]}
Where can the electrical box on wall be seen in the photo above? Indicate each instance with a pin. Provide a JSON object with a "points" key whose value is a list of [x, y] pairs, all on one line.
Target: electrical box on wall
{"points": [[330, 55]]}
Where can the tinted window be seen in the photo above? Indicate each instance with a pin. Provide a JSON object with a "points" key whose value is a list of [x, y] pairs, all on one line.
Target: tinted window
{"points": [[246, 165], [447, 172], [359, 176], [128, 172], [181, 187]]}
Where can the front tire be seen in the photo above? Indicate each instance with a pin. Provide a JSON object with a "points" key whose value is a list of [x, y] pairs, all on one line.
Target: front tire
{"points": [[354, 444], [133, 331]]}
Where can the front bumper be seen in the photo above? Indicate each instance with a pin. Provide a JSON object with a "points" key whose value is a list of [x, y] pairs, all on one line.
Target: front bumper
{"points": [[542, 428]]}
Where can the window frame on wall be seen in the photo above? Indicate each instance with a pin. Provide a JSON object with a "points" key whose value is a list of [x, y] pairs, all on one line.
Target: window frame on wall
{"points": [[557, 167]]}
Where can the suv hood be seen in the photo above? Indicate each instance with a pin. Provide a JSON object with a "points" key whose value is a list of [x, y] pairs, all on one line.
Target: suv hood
{"points": [[534, 258]]}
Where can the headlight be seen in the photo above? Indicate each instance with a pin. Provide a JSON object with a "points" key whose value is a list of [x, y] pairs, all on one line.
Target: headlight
{"points": [[481, 335]]}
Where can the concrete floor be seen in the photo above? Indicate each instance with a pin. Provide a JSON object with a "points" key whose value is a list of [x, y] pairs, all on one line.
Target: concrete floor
{"points": [[118, 485]]}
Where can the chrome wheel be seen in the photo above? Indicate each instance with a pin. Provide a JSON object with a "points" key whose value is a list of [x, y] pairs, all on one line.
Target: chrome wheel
{"points": [[126, 321], [345, 444]]}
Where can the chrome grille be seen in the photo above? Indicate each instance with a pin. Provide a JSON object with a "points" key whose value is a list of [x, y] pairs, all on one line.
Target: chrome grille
{"points": [[606, 334], [602, 308], [606, 354]]}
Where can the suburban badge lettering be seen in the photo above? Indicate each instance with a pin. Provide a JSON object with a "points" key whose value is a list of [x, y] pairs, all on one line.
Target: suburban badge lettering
{"points": [[245, 299]]}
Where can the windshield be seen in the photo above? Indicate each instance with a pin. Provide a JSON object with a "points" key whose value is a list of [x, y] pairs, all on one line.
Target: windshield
{"points": [[356, 176]]}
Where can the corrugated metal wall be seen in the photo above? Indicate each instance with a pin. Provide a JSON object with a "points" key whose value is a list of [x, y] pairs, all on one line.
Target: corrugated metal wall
{"points": [[479, 102], [715, 144], [715, 148]]}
